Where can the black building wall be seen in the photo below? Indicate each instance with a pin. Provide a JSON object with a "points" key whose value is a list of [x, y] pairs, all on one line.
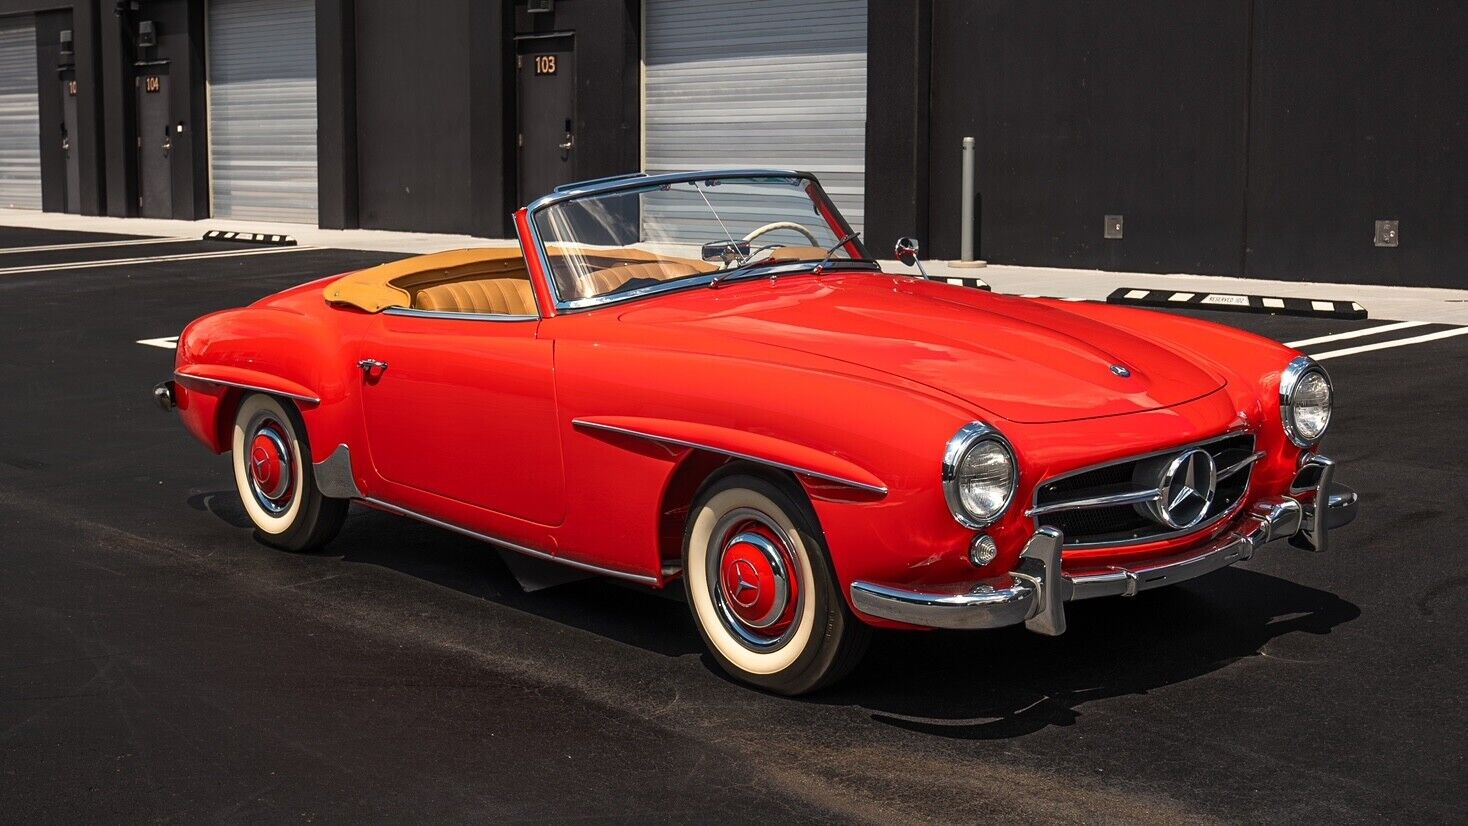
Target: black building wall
{"points": [[49, 102], [414, 97], [1236, 137], [1359, 112], [428, 130]]}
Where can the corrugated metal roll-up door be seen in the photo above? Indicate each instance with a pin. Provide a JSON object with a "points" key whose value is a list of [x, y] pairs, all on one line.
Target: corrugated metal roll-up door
{"points": [[734, 83], [262, 109], [20, 123]]}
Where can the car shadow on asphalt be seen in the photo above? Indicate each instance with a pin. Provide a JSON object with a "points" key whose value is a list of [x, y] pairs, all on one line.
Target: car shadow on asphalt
{"points": [[651, 620], [984, 685], [1009, 683]]}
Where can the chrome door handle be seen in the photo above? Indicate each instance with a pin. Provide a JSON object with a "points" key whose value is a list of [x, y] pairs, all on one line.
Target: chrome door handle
{"points": [[370, 366], [567, 142]]}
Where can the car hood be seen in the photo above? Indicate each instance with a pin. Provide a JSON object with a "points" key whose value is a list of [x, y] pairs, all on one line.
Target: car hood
{"points": [[1022, 360]]}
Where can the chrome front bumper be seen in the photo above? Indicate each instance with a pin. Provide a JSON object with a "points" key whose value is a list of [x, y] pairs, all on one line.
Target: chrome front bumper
{"points": [[1035, 592]]}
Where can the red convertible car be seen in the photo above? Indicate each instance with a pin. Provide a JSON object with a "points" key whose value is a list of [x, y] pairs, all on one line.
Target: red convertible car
{"points": [[706, 378]]}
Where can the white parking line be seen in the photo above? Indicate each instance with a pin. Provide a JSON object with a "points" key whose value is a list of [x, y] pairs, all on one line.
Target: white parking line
{"points": [[1400, 342], [1369, 331], [93, 244], [166, 342], [153, 259]]}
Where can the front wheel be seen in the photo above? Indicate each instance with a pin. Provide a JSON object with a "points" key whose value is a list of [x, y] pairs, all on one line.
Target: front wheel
{"points": [[273, 474], [762, 589]]}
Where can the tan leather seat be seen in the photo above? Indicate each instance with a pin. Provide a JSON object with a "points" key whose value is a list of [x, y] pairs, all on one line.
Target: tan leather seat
{"points": [[604, 281], [495, 296]]}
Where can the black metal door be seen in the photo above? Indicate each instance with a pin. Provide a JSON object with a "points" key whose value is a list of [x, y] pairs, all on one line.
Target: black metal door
{"points": [[155, 145], [546, 85], [69, 136]]}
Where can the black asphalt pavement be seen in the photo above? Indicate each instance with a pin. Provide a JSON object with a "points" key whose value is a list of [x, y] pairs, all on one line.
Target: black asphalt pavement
{"points": [[158, 664]]}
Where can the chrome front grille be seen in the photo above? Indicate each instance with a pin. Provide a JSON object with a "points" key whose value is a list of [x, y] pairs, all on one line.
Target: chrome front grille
{"points": [[1109, 504]]}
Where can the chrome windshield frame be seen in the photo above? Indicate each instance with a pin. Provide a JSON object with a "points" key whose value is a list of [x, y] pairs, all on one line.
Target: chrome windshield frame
{"points": [[622, 183]]}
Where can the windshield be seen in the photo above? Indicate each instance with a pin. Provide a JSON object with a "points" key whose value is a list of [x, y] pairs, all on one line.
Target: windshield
{"points": [[687, 233]]}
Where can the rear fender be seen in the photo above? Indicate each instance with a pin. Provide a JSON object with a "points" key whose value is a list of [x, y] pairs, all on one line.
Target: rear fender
{"points": [[265, 349]]}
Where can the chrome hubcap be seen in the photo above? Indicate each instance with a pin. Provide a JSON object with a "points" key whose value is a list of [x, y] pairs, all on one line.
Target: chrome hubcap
{"points": [[271, 467], [752, 576]]}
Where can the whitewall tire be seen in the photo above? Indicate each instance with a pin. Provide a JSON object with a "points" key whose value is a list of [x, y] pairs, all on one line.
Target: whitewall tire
{"points": [[761, 587], [273, 475]]}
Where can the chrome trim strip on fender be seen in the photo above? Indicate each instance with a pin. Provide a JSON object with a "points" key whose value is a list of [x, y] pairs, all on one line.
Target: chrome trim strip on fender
{"points": [[244, 386], [582, 423], [504, 543], [502, 317], [334, 476]]}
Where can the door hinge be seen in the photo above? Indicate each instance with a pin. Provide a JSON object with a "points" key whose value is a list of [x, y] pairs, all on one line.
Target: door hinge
{"points": [[519, 61], [520, 141]]}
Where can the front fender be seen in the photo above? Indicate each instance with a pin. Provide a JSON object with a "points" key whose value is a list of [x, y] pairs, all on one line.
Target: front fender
{"points": [[741, 444]]}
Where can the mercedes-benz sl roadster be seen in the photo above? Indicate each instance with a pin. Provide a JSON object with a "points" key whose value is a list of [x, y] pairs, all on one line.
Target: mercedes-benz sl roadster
{"points": [[704, 380]]}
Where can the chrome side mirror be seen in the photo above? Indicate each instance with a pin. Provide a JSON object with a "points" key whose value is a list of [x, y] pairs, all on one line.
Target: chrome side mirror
{"points": [[906, 251]]}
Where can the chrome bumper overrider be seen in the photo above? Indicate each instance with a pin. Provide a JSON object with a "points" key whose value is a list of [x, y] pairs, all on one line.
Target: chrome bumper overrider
{"points": [[1035, 592]]}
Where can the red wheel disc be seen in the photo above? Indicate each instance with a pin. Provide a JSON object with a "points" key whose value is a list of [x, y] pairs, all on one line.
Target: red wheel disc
{"points": [[757, 580]]}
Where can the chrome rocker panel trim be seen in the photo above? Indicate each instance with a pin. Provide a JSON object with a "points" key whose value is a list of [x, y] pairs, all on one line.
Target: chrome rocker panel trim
{"points": [[1035, 593], [505, 543]]}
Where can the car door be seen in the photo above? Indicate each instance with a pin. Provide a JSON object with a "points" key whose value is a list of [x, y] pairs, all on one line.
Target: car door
{"points": [[463, 407]]}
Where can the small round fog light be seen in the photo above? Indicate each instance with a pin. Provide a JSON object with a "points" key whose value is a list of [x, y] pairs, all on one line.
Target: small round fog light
{"points": [[982, 551]]}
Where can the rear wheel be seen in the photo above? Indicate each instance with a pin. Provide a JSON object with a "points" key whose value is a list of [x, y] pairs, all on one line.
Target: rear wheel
{"points": [[273, 474], [762, 589]]}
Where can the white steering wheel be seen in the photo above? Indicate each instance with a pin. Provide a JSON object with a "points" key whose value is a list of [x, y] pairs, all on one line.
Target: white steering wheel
{"points": [[790, 225]]}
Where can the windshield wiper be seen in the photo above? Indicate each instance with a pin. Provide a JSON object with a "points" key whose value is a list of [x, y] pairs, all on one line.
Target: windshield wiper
{"points": [[721, 275], [832, 251]]}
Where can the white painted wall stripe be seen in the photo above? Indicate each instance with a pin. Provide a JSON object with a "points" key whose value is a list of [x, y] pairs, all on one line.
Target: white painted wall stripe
{"points": [[1369, 331], [1400, 342]]}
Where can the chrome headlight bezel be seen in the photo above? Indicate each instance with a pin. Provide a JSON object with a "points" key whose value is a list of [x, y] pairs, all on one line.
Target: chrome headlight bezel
{"points": [[1289, 381], [967, 438]]}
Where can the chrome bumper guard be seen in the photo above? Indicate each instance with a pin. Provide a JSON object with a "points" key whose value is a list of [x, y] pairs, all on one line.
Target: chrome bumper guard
{"points": [[1035, 592]]}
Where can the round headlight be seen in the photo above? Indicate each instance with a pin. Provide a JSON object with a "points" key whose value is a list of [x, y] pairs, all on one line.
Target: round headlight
{"points": [[1305, 401], [979, 475]]}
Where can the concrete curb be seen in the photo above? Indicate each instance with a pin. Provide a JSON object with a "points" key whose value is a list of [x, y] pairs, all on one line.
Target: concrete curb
{"points": [[1237, 303], [265, 238]]}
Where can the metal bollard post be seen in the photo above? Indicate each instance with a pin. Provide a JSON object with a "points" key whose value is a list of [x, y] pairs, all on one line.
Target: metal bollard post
{"points": [[966, 210]]}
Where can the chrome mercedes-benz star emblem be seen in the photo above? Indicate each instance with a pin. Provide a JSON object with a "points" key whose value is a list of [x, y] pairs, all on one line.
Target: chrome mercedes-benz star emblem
{"points": [[1121, 370], [1185, 489], [745, 580]]}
